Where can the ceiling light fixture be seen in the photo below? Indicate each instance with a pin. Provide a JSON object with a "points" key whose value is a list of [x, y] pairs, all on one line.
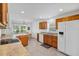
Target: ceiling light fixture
{"points": [[22, 12], [60, 10]]}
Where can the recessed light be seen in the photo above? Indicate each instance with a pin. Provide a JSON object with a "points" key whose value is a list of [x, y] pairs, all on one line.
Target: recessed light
{"points": [[22, 12], [60, 9]]}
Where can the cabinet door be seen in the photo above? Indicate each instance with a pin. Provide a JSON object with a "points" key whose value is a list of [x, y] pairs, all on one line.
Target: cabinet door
{"points": [[43, 25], [54, 41], [61, 37], [49, 39], [1, 13], [54, 44], [54, 38], [45, 39], [4, 13], [40, 25]]}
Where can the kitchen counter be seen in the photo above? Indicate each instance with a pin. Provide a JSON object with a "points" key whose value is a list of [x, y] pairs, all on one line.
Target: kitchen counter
{"points": [[15, 35], [13, 49], [52, 34], [49, 33]]}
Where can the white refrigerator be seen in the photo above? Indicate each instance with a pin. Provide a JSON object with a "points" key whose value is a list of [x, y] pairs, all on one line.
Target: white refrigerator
{"points": [[68, 37]]}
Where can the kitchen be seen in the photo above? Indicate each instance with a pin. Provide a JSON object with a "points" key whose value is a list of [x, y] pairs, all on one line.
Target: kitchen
{"points": [[43, 24]]}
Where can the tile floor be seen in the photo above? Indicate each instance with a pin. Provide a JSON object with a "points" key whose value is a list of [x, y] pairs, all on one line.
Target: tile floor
{"points": [[35, 49]]}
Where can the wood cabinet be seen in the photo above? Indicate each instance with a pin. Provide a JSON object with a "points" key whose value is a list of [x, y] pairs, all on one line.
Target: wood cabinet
{"points": [[46, 39], [0, 13], [43, 25], [24, 39], [3, 15], [50, 40], [59, 20]]}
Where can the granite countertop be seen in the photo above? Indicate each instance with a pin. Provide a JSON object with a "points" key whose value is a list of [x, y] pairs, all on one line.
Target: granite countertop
{"points": [[49, 33], [52, 34], [14, 49]]}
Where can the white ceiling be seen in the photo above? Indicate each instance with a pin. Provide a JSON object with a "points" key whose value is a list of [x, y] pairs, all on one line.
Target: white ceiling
{"points": [[36, 10]]}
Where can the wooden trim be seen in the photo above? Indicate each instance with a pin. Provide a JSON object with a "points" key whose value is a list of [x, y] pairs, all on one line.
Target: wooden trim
{"points": [[68, 18]]}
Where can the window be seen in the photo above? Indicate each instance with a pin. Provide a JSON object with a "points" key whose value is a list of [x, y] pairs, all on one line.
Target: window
{"points": [[23, 29], [19, 29]]}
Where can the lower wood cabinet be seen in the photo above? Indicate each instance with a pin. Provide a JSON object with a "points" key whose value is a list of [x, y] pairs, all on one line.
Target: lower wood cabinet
{"points": [[54, 44], [50, 40], [46, 39], [24, 39]]}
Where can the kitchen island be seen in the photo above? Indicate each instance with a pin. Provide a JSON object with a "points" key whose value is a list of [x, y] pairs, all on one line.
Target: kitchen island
{"points": [[13, 49]]}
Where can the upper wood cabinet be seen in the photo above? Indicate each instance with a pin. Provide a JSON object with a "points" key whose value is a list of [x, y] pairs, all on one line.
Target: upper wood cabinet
{"points": [[68, 18], [59, 20], [3, 15], [43, 25]]}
